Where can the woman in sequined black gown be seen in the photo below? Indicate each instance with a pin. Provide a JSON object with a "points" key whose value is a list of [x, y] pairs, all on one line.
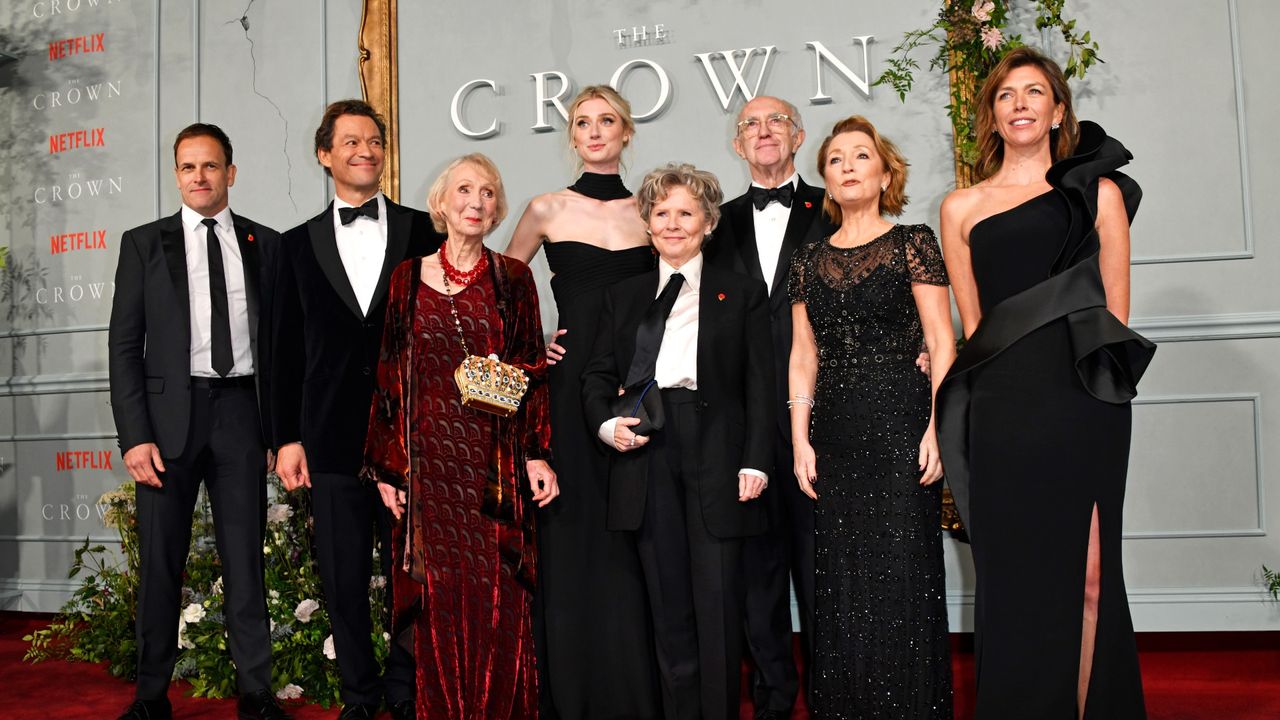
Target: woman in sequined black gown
{"points": [[591, 619], [865, 447], [1034, 417]]}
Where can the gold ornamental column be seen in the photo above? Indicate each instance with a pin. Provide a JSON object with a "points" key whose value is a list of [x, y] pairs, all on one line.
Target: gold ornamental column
{"points": [[380, 81]]}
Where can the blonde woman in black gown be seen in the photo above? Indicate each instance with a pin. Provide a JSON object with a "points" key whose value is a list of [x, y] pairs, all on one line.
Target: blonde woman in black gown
{"points": [[1034, 416], [864, 444], [591, 619]]}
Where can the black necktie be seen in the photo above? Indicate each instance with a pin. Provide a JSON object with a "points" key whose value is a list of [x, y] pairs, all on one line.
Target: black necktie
{"points": [[649, 334], [221, 316], [348, 214], [761, 197]]}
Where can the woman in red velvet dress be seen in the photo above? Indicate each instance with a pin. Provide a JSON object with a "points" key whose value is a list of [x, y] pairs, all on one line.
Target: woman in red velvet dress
{"points": [[464, 479]]}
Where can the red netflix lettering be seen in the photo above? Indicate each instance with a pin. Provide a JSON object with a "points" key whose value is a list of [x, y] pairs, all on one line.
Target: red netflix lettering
{"points": [[77, 139], [87, 240], [59, 49]]}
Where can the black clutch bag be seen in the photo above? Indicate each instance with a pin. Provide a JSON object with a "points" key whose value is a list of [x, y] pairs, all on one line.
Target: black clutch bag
{"points": [[641, 402]]}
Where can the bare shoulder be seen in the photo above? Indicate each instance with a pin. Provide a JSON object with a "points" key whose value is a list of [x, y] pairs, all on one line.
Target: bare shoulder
{"points": [[962, 202]]}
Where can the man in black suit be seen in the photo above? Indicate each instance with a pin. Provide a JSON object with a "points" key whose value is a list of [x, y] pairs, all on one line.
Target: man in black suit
{"points": [[688, 490], [188, 359], [758, 233], [332, 296]]}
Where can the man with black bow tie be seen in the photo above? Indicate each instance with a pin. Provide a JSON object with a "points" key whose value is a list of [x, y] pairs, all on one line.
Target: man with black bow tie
{"points": [[759, 231], [187, 370], [332, 290]]}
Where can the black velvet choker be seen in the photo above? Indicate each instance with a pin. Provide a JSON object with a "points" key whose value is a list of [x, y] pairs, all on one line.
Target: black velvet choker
{"points": [[601, 187]]}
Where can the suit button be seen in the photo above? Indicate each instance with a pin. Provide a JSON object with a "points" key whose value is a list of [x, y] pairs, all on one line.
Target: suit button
{"points": [[704, 405], [365, 370]]}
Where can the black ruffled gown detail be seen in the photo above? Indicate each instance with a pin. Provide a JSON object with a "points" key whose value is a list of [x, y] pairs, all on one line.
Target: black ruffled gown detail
{"points": [[881, 647], [1034, 425], [591, 614]]}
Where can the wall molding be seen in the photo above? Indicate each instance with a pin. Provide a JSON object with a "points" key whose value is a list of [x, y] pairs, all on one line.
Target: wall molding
{"points": [[61, 384], [1192, 328]]}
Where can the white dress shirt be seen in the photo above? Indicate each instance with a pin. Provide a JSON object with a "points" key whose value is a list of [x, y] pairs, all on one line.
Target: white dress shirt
{"points": [[194, 235], [677, 363], [771, 227], [362, 245]]}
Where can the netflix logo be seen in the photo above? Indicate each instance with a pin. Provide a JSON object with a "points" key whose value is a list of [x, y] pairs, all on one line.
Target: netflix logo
{"points": [[83, 460], [77, 139], [59, 49], [70, 242]]}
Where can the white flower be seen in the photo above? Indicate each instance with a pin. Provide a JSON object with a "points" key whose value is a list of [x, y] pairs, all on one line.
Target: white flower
{"points": [[217, 586], [304, 610], [289, 692], [183, 640], [193, 613], [992, 38], [982, 10], [378, 582], [273, 594], [278, 513], [329, 652], [273, 625], [386, 637]]}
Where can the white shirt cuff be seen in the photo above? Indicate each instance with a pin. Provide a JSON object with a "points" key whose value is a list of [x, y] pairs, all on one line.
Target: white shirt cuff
{"points": [[757, 473], [606, 431]]}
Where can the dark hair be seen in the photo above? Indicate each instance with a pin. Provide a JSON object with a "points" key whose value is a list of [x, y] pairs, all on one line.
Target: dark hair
{"points": [[990, 144], [324, 133], [894, 197], [203, 130]]}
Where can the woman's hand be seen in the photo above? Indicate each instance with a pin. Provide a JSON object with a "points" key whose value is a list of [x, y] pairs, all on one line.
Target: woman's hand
{"points": [[623, 439], [805, 465], [393, 498], [542, 480], [930, 457], [555, 351]]}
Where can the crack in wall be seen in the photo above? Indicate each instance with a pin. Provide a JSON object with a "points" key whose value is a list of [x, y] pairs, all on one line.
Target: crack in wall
{"points": [[243, 21]]}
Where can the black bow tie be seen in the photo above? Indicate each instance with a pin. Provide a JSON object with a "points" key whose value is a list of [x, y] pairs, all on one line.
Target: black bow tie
{"points": [[760, 197], [348, 214]]}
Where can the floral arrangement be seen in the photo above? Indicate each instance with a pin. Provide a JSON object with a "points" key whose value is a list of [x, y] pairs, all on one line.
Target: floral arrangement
{"points": [[1272, 580], [972, 36], [97, 623]]}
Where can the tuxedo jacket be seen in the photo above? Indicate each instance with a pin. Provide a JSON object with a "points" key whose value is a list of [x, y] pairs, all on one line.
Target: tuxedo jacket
{"points": [[735, 396], [326, 346], [733, 246], [149, 338]]}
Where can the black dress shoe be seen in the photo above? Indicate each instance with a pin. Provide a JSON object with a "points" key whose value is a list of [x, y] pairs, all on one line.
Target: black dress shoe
{"points": [[148, 710], [403, 710], [260, 705], [358, 712]]}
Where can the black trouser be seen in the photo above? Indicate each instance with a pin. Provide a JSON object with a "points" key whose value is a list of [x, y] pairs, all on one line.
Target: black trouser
{"points": [[771, 562], [694, 578], [225, 451], [347, 513]]}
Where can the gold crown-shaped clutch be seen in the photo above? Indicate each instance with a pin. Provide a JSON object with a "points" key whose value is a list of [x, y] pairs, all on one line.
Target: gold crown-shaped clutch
{"points": [[490, 385]]}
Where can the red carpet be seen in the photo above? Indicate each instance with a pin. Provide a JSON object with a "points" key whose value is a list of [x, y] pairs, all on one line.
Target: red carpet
{"points": [[1188, 676]]}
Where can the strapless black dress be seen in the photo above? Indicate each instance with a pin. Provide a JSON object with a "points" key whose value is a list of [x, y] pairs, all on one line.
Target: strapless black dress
{"points": [[1034, 423], [591, 614]]}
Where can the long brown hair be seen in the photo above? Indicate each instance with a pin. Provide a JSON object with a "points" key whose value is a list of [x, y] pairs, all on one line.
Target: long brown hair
{"points": [[990, 144]]}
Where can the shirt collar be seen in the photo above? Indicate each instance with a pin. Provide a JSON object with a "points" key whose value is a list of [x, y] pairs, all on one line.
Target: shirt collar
{"points": [[691, 270], [192, 220], [340, 203], [793, 181]]}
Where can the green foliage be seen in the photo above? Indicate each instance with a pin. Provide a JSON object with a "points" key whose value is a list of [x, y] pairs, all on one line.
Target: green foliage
{"points": [[971, 37], [1272, 579], [97, 623]]}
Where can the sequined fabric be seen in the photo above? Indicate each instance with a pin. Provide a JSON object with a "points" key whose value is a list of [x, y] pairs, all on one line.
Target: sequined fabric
{"points": [[881, 645]]}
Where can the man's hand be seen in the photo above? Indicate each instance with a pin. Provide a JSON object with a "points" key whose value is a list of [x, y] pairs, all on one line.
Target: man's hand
{"points": [[922, 361], [394, 499], [750, 486], [542, 480], [291, 466], [555, 351], [143, 462]]}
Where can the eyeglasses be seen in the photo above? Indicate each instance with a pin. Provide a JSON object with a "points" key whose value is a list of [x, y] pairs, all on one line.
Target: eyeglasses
{"points": [[751, 126]]}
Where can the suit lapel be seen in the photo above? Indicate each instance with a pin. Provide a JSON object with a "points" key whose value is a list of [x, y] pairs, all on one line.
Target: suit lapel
{"points": [[174, 244], [632, 313], [744, 223], [251, 263], [324, 244], [399, 226], [708, 315], [803, 211]]}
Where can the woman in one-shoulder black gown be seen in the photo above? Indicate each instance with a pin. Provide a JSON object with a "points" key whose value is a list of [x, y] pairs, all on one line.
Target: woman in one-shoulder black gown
{"points": [[591, 617], [1034, 415]]}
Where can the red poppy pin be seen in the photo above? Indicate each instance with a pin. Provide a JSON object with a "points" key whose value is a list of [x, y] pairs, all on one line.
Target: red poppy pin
{"points": [[720, 296], [250, 237], [808, 204]]}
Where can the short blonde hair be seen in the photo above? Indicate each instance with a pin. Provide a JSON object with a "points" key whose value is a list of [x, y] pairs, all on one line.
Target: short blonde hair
{"points": [[702, 185], [894, 197], [435, 196]]}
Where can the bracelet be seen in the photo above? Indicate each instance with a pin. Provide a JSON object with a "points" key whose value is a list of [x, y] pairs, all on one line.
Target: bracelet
{"points": [[799, 399]]}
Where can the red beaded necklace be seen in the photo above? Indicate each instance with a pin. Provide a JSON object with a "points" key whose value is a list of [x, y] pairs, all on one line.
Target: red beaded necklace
{"points": [[461, 277]]}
